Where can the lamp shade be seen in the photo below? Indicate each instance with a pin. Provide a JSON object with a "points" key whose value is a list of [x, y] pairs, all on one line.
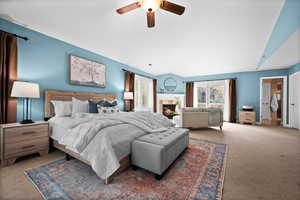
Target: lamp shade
{"points": [[25, 89], [128, 95]]}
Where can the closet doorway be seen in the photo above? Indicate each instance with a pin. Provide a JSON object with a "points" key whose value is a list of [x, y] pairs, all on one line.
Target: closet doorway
{"points": [[273, 100]]}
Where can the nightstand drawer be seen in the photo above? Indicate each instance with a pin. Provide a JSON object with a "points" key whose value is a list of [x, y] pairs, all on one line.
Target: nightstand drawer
{"points": [[248, 120], [17, 134], [27, 146], [247, 117]]}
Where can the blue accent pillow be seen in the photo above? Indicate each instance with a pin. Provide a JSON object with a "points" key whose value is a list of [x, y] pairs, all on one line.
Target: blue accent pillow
{"points": [[93, 106]]}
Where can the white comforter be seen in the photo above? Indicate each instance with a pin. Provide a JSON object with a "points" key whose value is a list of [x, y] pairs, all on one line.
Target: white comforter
{"points": [[104, 140]]}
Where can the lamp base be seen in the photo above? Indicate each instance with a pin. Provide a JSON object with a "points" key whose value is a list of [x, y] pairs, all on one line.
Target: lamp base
{"points": [[27, 121]]}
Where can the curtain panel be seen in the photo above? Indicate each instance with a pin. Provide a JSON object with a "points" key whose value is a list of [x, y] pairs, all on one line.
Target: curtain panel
{"points": [[154, 95], [8, 74], [232, 101], [129, 87], [189, 94]]}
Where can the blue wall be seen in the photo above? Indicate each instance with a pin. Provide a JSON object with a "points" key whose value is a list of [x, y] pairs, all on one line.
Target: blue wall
{"points": [[248, 85], [180, 89], [45, 60]]}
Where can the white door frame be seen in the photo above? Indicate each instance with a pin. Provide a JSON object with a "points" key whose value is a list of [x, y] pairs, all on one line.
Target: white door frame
{"points": [[284, 109], [294, 80]]}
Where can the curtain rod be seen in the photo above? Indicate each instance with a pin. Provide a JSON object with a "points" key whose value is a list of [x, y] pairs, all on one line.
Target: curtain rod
{"points": [[18, 36], [224, 79], [138, 74]]}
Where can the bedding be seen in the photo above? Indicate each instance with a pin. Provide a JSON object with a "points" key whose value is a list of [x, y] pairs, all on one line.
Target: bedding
{"points": [[112, 103], [79, 106], [95, 106], [104, 139], [62, 108], [103, 109]]}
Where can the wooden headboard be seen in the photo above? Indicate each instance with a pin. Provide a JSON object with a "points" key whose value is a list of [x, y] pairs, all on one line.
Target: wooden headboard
{"points": [[67, 96]]}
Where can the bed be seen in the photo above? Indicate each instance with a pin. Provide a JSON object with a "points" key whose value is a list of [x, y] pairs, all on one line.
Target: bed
{"points": [[104, 140], [67, 96]]}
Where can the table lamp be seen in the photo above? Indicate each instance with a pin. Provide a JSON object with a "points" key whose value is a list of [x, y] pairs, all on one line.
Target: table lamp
{"points": [[26, 91], [128, 96]]}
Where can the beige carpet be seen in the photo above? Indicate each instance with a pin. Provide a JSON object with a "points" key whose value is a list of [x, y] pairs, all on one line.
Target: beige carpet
{"points": [[263, 164]]}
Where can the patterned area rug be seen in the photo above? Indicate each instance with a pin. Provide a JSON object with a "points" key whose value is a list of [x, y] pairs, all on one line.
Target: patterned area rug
{"points": [[197, 174]]}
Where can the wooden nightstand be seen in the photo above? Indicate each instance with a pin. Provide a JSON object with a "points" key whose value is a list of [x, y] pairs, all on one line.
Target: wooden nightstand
{"points": [[17, 140], [247, 117]]}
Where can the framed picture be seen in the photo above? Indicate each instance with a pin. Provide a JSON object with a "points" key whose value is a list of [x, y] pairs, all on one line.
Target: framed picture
{"points": [[86, 72]]}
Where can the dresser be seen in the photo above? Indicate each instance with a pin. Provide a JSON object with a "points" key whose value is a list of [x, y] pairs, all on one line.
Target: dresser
{"points": [[247, 117], [17, 140]]}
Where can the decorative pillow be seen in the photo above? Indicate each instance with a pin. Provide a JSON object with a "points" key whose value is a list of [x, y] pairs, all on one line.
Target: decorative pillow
{"points": [[62, 108], [105, 103], [108, 110], [79, 106], [93, 106]]}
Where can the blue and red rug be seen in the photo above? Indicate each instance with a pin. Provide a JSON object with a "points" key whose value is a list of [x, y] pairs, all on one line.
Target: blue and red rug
{"points": [[197, 174]]}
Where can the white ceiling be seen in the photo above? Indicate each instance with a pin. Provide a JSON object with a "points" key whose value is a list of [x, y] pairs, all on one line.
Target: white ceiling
{"points": [[212, 36]]}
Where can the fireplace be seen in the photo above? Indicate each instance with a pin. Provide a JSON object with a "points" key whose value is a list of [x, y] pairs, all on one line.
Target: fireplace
{"points": [[169, 110]]}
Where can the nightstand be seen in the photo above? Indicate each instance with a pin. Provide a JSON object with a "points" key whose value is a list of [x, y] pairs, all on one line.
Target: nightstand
{"points": [[247, 117], [17, 140]]}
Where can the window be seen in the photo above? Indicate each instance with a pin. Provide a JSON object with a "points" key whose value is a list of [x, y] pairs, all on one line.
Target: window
{"points": [[143, 93], [216, 95], [201, 91], [210, 94]]}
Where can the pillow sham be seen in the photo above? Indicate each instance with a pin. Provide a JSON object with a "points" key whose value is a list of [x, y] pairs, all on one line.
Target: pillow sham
{"points": [[79, 106], [108, 110], [62, 108], [93, 106]]}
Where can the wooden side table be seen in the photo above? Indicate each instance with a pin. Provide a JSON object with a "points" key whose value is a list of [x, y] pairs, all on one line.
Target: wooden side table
{"points": [[17, 140], [247, 117]]}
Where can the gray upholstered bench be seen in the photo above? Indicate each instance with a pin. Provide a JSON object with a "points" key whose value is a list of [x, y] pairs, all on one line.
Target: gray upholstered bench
{"points": [[157, 151]]}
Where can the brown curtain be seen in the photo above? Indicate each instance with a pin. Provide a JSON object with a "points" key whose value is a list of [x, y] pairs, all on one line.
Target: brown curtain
{"points": [[8, 74], [154, 95], [189, 94], [129, 87], [232, 100]]}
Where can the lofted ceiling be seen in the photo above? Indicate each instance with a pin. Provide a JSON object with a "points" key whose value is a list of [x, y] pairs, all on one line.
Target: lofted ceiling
{"points": [[211, 37]]}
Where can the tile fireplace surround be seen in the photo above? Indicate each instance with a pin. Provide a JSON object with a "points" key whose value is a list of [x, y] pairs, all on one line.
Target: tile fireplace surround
{"points": [[169, 99]]}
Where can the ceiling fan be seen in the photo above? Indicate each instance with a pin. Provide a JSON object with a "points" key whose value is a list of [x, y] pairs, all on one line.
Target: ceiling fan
{"points": [[150, 6]]}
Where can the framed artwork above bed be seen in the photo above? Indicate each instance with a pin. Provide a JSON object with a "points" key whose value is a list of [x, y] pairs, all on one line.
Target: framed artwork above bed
{"points": [[86, 72]]}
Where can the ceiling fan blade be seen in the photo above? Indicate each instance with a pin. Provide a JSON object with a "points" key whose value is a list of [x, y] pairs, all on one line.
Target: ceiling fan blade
{"points": [[128, 8], [172, 7], [151, 19]]}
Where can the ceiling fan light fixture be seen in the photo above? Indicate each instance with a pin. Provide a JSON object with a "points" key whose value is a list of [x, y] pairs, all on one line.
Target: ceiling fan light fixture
{"points": [[150, 4]]}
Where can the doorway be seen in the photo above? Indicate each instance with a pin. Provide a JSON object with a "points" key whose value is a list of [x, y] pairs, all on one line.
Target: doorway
{"points": [[273, 94]]}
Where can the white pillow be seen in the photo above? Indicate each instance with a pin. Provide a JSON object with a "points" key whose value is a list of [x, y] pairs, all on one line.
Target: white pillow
{"points": [[62, 108], [79, 106]]}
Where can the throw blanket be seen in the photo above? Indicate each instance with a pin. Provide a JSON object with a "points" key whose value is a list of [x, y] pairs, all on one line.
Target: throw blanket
{"points": [[103, 140]]}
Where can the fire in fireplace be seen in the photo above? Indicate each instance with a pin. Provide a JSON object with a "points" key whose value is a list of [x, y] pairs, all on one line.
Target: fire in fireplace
{"points": [[169, 110]]}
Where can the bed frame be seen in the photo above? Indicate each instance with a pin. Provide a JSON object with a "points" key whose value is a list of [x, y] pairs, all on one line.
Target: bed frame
{"points": [[67, 96]]}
